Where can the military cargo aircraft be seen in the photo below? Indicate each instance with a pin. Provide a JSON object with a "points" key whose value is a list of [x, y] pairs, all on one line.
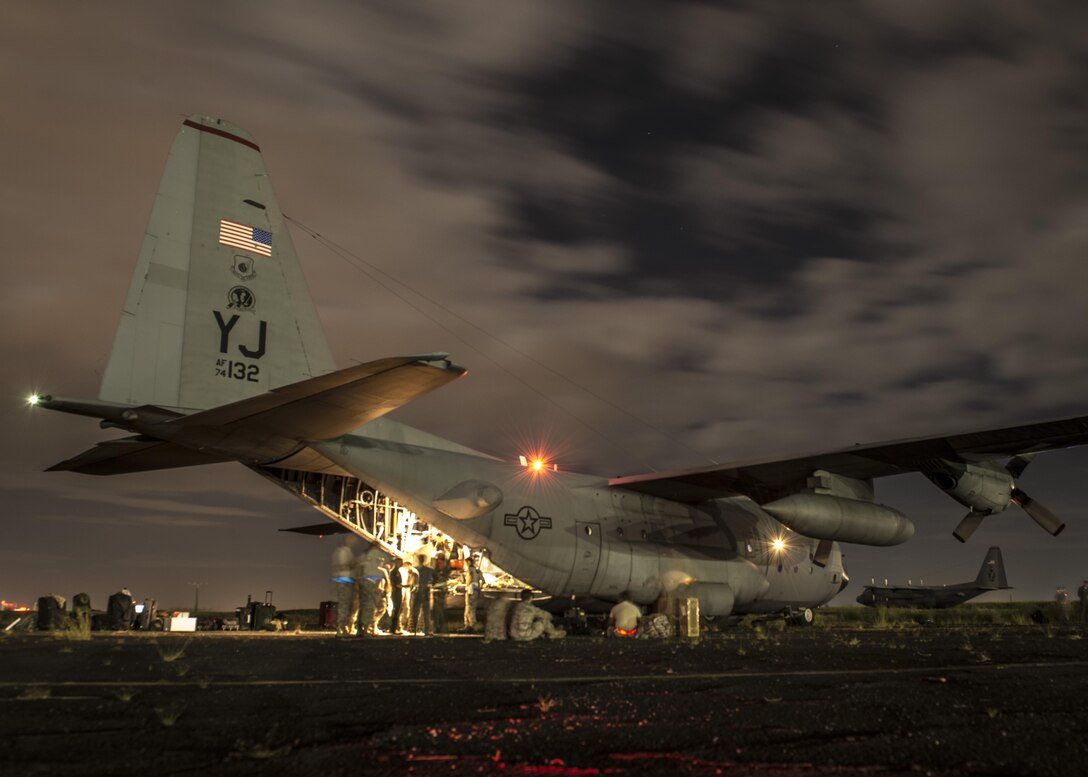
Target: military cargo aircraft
{"points": [[991, 577], [219, 356]]}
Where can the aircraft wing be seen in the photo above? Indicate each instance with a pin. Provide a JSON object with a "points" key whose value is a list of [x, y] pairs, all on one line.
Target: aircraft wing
{"points": [[767, 480]]}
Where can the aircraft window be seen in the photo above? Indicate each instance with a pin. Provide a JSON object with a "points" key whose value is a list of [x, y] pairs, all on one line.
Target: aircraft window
{"points": [[255, 204], [589, 531], [643, 534], [619, 531], [779, 567]]}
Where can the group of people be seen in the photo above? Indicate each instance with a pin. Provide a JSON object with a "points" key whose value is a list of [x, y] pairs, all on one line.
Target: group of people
{"points": [[1061, 598], [371, 584], [522, 621]]}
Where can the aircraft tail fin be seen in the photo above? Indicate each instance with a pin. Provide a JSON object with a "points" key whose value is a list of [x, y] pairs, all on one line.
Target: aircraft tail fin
{"points": [[218, 310], [992, 573]]}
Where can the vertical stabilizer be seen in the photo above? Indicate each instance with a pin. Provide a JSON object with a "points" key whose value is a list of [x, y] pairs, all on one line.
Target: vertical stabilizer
{"points": [[218, 309], [992, 572]]}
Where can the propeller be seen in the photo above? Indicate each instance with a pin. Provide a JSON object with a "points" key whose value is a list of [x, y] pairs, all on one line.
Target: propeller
{"points": [[1037, 512], [967, 526]]}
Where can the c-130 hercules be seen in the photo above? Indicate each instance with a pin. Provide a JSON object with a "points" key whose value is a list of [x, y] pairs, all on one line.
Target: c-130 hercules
{"points": [[219, 356]]}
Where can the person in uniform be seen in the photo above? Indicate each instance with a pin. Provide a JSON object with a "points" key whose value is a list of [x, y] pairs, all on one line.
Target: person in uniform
{"points": [[421, 600], [527, 622], [404, 581], [1061, 598], [439, 588], [343, 578], [624, 618], [385, 593], [471, 579], [368, 578]]}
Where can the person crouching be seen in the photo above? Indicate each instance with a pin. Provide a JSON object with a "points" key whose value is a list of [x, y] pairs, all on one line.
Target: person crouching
{"points": [[624, 619], [528, 622]]}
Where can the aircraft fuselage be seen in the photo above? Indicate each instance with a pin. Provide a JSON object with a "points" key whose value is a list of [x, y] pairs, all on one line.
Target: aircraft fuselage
{"points": [[573, 534]]}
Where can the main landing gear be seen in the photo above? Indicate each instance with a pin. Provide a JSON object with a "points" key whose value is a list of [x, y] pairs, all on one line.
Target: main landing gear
{"points": [[801, 617]]}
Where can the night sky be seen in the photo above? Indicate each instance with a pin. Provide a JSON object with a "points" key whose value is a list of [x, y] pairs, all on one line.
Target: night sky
{"points": [[657, 235]]}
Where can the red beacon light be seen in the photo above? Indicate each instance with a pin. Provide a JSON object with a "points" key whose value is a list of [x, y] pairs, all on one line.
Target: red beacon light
{"points": [[537, 465]]}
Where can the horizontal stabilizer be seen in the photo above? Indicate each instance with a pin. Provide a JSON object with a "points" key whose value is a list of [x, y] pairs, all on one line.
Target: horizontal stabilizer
{"points": [[321, 408], [271, 427], [134, 454]]}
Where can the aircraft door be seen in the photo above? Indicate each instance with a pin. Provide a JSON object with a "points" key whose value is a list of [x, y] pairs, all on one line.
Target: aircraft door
{"points": [[587, 557]]}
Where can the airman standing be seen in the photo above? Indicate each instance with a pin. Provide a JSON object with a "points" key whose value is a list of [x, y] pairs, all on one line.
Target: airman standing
{"points": [[1061, 598], [368, 579], [421, 601], [471, 578], [438, 592], [343, 578]]}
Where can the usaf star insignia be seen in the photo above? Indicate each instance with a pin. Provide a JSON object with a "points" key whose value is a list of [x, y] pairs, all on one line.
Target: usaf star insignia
{"points": [[527, 522]]}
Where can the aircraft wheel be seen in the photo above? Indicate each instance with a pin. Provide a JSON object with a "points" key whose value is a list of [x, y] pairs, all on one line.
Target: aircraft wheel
{"points": [[803, 617]]}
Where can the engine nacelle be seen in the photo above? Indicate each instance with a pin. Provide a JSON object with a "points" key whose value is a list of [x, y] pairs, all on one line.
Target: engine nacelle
{"points": [[985, 488], [828, 517]]}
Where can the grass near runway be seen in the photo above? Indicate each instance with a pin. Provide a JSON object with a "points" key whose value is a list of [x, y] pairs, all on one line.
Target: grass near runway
{"points": [[970, 614]]}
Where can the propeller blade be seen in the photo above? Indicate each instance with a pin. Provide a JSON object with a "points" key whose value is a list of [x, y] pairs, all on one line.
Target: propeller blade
{"points": [[1038, 513], [967, 526], [823, 553], [1017, 464]]}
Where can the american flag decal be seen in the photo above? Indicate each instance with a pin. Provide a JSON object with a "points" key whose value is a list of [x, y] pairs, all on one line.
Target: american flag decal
{"points": [[243, 236]]}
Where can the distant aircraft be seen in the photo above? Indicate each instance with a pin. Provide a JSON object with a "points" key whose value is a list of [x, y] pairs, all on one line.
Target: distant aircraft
{"points": [[991, 577], [219, 356]]}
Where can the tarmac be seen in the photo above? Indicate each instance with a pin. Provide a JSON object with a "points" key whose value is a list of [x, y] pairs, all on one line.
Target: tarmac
{"points": [[1005, 700]]}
